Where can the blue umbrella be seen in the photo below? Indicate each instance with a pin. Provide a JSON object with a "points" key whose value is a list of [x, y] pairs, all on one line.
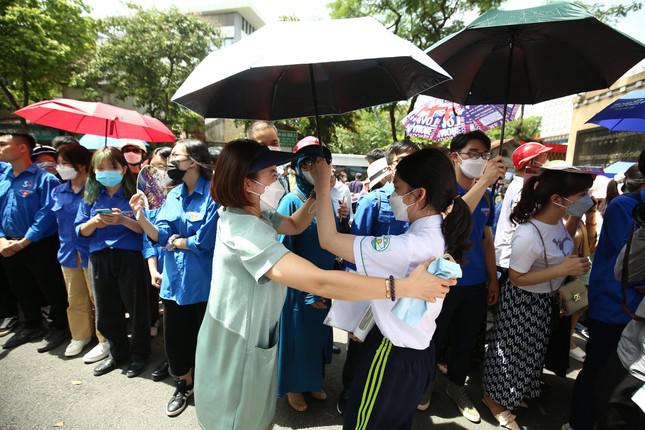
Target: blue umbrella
{"points": [[625, 114], [617, 168], [93, 141]]}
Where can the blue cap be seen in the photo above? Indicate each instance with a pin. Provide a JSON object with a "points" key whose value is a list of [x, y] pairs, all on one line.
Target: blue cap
{"points": [[266, 157]]}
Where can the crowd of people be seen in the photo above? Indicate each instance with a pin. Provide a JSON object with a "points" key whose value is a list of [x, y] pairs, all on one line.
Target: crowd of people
{"points": [[254, 248]]}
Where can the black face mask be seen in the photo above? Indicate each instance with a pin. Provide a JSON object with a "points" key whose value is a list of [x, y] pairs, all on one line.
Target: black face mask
{"points": [[175, 173]]}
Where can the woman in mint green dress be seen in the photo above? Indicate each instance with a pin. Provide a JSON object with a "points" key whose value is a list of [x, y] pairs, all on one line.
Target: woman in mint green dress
{"points": [[236, 358]]}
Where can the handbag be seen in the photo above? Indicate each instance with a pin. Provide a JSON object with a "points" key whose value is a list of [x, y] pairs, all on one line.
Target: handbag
{"points": [[572, 296]]}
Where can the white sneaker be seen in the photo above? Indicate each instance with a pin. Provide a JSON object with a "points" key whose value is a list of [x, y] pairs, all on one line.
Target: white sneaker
{"points": [[460, 397], [577, 354], [98, 353], [75, 347]]}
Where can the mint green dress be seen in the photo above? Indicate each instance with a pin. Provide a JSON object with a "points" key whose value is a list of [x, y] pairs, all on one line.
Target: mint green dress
{"points": [[236, 358]]}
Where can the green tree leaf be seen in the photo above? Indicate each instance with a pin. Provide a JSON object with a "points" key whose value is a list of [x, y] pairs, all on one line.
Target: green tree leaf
{"points": [[43, 43], [145, 57]]}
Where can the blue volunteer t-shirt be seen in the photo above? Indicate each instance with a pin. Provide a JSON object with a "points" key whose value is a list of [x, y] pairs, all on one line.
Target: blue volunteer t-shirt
{"points": [[605, 292], [474, 268]]}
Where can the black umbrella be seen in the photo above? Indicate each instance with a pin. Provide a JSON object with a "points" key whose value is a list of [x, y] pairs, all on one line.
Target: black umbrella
{"points": [[295, 69], [531, 55]]}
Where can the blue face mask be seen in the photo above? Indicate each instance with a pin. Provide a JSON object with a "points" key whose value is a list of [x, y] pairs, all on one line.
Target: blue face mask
{"points": [[109, 178]]}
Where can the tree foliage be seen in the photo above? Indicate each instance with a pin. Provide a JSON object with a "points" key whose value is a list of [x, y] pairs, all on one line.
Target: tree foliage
{"points": [[521, 129], [43, 43], [145, 57]]}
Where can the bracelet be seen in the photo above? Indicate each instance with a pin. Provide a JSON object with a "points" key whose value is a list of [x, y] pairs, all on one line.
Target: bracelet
{"points": [[387, 288], [392, 289]]}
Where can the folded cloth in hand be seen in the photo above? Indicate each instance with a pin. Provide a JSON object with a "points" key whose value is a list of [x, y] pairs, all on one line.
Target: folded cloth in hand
{"points": [[410, 309]]}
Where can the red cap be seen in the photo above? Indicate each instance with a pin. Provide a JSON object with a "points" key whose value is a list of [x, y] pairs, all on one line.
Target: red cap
{"points": [[526, 152], [305, 142]]}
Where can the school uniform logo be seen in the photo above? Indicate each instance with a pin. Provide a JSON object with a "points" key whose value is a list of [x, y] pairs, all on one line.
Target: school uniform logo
{"points": [[26, 188], [380, 244]]}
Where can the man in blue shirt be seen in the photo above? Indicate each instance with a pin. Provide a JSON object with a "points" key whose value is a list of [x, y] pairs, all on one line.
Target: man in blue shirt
{"points": [[374, 217], [29, 244], [606, 317], [8, 309]]}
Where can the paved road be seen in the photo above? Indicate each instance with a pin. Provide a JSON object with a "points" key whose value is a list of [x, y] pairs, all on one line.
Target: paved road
{"points": [[47, 391]]}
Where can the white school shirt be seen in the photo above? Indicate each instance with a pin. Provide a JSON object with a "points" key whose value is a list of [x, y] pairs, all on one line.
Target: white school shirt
{"points": [[505, 227], [528, 252], [341, 191], [398, 256]]}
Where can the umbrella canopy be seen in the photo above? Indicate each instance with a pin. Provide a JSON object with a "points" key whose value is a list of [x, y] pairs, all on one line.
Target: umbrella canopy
{"points": [[93, 141], [531, 55], [618, 167], [625, 114], [294, 69], [440, 119], [96, 118]]}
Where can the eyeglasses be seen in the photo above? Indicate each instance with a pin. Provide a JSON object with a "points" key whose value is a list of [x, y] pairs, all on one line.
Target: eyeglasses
{"points": [[477, 155], [309, 162]]}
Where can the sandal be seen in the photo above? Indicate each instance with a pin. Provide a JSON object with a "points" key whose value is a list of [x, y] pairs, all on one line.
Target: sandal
{"points": [[505, 418], [319, 395], [297, 402]]}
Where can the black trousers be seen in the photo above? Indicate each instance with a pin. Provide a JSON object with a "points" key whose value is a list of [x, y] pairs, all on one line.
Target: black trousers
{"points": [[118, 281], [8, 306], [387, 385], [603, 341], [35, 279], [615, 409], [181, 327], [458, 328]]}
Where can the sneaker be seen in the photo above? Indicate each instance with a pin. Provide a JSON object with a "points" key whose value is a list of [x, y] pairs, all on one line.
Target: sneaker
{"points": [[7, 325], [460, 397], [98, 353], [424, 404], [75, 347], [567, 426], [179, 399], [577, 354], [53, 339], [24, 335]]}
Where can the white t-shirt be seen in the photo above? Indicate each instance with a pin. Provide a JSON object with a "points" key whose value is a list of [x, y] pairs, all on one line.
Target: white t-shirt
{"points": [[398, 256], [528, 252], [341, 191], [506, 228]]}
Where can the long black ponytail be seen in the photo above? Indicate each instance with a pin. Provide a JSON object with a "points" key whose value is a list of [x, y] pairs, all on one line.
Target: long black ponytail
{"points": [[432, 170], [537, 191]]}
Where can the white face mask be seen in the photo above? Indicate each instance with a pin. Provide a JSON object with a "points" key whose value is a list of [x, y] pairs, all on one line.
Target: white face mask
{"points": [[399, 208], [472, 168], [308, 177], [271, 196], [67, 173]]}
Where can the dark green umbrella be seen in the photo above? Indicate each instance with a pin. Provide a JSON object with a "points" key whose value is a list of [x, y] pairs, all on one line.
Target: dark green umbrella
{"points": [[531, 55]]}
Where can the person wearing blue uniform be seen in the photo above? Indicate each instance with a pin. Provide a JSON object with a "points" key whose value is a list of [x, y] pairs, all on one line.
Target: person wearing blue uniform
{"points": [[186, 226], [305, 342], [73, 254], [116, 262], [606, 317], [8, 308], [374, 217], [153, 254], [29, 243], [465, 307]]}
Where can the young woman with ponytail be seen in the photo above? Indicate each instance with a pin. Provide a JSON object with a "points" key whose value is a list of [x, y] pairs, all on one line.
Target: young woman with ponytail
{"points": [[397, 360], [517, 344]]}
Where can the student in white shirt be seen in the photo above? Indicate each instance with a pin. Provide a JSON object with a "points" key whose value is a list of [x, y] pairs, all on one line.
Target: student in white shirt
{"points": [[397, 360], [517, 344]]}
